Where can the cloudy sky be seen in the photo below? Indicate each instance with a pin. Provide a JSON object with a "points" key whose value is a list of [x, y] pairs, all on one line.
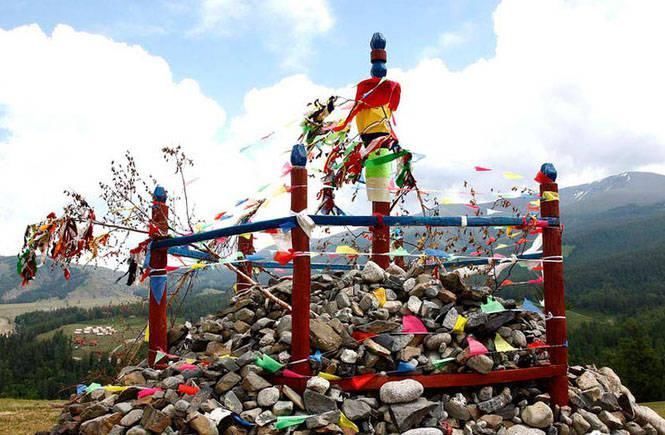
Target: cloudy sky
{"points": [[505, 84]]}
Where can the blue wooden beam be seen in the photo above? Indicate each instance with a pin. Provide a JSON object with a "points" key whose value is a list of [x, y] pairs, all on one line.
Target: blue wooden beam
{"points": [[356, 221]]}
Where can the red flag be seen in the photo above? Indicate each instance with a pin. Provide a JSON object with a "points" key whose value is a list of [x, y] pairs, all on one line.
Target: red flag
{"points": [[536, 344], [291, 374], [481, 169], [373, 92], [188, 389], [542, 178], [362, 336], [361, 380], [284, 257]]}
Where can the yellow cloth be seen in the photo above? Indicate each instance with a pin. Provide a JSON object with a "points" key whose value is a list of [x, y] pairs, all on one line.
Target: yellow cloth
{"points": [[502, 345], [374, 120], [345, 423], [380, 294], [329, 376], [460, 323]]}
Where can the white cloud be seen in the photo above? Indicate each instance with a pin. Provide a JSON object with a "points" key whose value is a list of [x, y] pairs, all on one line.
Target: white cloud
{"points": [[73, 102], [287, 27], [576, 83], [450, 40]]}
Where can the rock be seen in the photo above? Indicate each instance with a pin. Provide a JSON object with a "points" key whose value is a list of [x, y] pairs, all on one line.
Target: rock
{"points": [[538, 415], [612, 421], [100, 425], [356, 409], [203, 425], [317, 403], [323, 336], [94, 411], [137, 430], [414, 304], [253, 382], [401, 391], [133, 378], [372, 273], [493, 421], [318, 384], [232, 402], [496, 403], [322, 420], [423, 431], [518, 338], [580, 424], [349, 356], [268, 397], [265, 418], [282, 407], [154, 420], [518, 429], [586, 381], [227, 382], [480, 363], [408, 415], [123, 407], [457, 408], [293, 396], [132, 417], [593, 420]]}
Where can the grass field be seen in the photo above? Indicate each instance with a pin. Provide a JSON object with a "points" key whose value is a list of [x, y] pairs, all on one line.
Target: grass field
{"points": [[659, 407], [18, 417], [128, 328], [9, 311]]}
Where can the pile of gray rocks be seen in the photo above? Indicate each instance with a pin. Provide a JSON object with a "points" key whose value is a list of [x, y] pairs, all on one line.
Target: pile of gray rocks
{"points": [[217, 385]]}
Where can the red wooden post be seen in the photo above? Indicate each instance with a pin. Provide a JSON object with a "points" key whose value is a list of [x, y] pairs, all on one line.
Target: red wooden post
{"points": [[159, 229], [554, 290], [246, 246], [300, 295], [381, 235]]}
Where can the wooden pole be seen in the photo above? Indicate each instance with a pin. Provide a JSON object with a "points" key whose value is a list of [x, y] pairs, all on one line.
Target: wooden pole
{"points": [[300, 295], [246, 247], [381, 235], [554, 289], [159, 228]]}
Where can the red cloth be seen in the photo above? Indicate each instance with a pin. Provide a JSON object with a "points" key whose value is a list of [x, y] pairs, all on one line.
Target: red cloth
{"points": [[369, 95]]}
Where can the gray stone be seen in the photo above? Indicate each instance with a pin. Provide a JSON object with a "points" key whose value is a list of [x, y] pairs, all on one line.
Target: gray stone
{"points": [[282, 407], [324, 336], [232, 402], [318, 384], [100, 425], [293, 396], [123, 407], [254, 382], [423, 431], [155, 420], [400, 391], [356, 409], [264, 418], [268, 397], [349, 356], [203, 425], [538, 415], [227, 382], [593, 420], [137, 430], [519, 429], [132, 417], [456, 408], [317, 403], [580, 424], [372, 273], [409, 415], [322, 420], [480, 363]]}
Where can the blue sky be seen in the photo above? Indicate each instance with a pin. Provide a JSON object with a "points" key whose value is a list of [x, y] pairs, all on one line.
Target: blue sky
{"points": [[227, 64]]}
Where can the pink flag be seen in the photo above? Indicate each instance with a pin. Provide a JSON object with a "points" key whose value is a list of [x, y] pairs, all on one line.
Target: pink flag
{"points": [[291, 374], [413, 325], [540, 280], [185, 367], [148, 392], [475, 347], [481, 169]]}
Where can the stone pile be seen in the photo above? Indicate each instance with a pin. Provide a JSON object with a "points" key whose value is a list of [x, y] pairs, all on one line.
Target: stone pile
{"points": [[219, 381]]}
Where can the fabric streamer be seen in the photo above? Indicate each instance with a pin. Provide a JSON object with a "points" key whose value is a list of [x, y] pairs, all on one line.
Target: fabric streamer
{"points": [[436, 253], [345, 250], [268, 364], [399, 252], [440, 363], [475, 347], [92, 387], [291, 374], [241, 421], [158, 287], [148, 392], [492, 306], [361, 380], [80, 389], [316, 356], [536, 344], [189, 390], [284, 421], [405, 367], [361, 336], [380, 294], [512, 176], [345, 423], [481, 169], [329, 376], [460, 323], [284, 257], [114, 388], [527, 305], [413, 325], [502, 345]]}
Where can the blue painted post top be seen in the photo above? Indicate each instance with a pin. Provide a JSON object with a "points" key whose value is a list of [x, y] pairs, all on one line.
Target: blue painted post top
{"points": [[549, 170], [159, 194], [298, 155], [378, 55]]}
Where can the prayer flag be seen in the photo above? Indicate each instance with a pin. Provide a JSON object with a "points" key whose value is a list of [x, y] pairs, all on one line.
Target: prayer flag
{"points": [[512, 176], [475, 347], [413, 325], [440, 363], [380, 294], [481, 169], [502, 345], [284, 421], [291, 374], [492, 306], [459, 324], [329, 376], [346, 250], [345, 423]]}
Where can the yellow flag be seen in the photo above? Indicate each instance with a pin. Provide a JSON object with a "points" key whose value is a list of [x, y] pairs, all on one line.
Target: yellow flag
{"points": [[190, 360], [502, 345], [512, 176], [146, 336], [198, 265], [535, 203], [329, 376], [500, 246], [550, 196], [446, 201], [246, 236], [345, 423], [380, 294], [346, 250], [114, 388], [459, 324]]}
